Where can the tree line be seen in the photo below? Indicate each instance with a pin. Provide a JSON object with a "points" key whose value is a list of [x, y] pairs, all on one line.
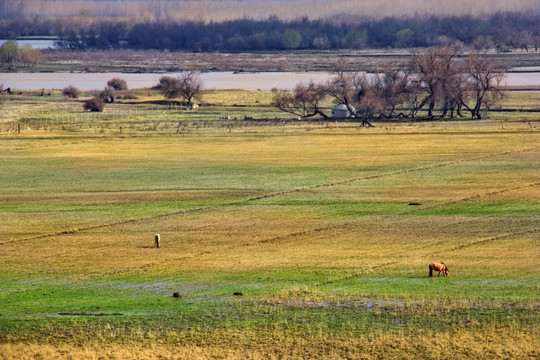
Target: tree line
{"points": [[436, 82], [502, 31], [439, 82]]}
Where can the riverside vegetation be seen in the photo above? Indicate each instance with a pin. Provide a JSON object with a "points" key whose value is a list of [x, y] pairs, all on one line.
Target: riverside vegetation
{"points": [[323, 230]]}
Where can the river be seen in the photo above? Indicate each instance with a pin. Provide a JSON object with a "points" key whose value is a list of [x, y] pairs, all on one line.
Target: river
{"points": [[212, 80], [35, 43], [264, 81]]}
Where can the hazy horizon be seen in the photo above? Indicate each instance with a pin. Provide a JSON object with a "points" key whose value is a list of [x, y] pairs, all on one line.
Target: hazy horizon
{"points": [[222, 10]]}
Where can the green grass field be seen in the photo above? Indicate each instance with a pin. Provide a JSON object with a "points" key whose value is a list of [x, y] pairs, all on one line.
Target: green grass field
{"points": [[313, 223]]}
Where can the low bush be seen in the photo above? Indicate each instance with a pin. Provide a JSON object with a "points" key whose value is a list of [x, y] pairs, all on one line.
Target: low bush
{"points": [[94, 104], [117, 84], [71, 92]]}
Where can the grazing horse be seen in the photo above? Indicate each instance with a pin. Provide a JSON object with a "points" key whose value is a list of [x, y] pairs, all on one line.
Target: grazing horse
{"points": [[438, 267], [156, 240]]}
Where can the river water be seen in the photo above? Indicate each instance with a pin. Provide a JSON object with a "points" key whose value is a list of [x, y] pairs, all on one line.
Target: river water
{"points": [[264, 81], [36, 44], [213, 80]]}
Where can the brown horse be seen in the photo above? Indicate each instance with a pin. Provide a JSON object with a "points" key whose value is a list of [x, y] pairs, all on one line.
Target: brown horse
{"points": [[438, 267]]}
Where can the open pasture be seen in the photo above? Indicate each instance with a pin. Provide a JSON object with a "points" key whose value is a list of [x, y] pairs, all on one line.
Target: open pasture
{"points": [[324, 231]]}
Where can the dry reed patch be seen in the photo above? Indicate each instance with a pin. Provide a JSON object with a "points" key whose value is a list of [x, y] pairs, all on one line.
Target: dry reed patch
{"points": [[456, 342]]}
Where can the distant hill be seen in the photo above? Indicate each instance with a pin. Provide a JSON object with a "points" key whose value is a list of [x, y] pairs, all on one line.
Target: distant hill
{"points": [[222, 10]]}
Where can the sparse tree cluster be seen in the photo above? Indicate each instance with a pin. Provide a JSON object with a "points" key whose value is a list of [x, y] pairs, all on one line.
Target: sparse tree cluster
{"points": [[115, 88], [188, 86], [11, 54], [304, 101], [448, 85], [434, 85]]}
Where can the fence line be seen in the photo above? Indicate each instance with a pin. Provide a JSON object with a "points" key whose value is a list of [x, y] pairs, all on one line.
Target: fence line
{"points": [[96, 121], [38, 122]]}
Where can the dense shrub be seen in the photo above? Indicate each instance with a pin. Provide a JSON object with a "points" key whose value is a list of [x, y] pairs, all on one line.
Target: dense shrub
{"points": [[9, 52], [117, 84], [71, 92], [94, 104], [107, 94], [30, 56]]}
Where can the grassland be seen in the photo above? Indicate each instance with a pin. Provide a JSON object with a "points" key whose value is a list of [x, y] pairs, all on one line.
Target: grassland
{"points": [[312, 222]]}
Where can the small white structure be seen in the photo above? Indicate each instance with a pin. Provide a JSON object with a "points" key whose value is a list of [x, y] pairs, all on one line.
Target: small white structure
{"points": [[340, 111]]}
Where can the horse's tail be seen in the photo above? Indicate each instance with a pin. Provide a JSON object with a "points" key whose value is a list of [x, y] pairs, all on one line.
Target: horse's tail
{"points": [[430, 270]]}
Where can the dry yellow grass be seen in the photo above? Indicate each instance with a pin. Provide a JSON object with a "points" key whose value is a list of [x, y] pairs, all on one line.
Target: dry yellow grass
{"points": [[281, 344]]}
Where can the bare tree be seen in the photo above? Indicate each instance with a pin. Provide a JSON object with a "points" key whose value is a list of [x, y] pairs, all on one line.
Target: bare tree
{"points": [[395, 88], [188, 86], [191, 86], [436, 76], [341, 87], [483, 43], [349, 88], [304, 101], [484, 84], [107, 94], [368, 98], [536, 41]]}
